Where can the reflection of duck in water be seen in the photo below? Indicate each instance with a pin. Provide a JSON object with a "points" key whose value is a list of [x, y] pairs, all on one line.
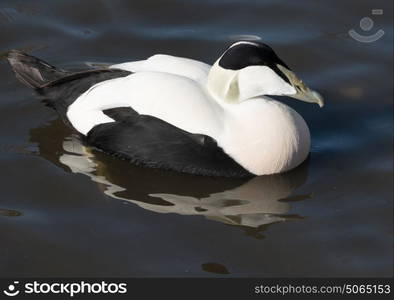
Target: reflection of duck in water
{"points": [[245, 202]]}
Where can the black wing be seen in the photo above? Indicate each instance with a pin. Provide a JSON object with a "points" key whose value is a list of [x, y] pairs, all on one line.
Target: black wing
{"points": [[151, 142]]}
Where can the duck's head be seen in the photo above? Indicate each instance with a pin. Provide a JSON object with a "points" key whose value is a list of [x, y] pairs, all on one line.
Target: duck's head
{"points": [[248, 69]]}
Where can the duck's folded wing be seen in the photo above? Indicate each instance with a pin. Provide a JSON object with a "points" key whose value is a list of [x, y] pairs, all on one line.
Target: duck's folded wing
{"points": [[152, 142], [181, 66]]}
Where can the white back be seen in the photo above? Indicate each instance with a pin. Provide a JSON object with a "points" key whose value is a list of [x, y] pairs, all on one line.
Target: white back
{"points": [[181, 66]]}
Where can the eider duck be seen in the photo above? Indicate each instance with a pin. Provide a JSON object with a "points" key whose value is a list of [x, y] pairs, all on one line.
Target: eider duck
{"points": [[183, 115]]}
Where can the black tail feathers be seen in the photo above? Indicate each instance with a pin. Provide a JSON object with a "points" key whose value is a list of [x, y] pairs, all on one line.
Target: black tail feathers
{"points": [[32, 71], [56, 87]]}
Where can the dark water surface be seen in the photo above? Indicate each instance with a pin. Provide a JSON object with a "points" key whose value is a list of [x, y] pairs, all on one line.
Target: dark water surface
{"points": [[66, 210]]}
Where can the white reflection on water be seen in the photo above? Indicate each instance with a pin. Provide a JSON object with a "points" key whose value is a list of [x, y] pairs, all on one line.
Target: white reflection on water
{"points": [[256, 202]]}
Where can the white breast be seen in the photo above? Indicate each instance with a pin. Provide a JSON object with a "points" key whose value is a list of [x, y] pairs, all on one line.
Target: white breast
{"points": [[265, 136]]}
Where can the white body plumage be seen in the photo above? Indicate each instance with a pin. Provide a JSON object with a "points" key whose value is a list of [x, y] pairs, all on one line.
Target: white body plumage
{"points": [[261, 134]]}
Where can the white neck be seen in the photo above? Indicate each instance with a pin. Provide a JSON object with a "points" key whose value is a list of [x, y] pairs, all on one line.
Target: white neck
{"points": [[221, 84]]}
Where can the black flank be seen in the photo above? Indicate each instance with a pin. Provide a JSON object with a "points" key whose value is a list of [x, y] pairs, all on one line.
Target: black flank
{"points": [[151, 142]]}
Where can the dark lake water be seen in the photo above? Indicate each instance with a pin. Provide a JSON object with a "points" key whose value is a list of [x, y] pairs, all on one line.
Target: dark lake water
{"points": [[66, 210]]}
